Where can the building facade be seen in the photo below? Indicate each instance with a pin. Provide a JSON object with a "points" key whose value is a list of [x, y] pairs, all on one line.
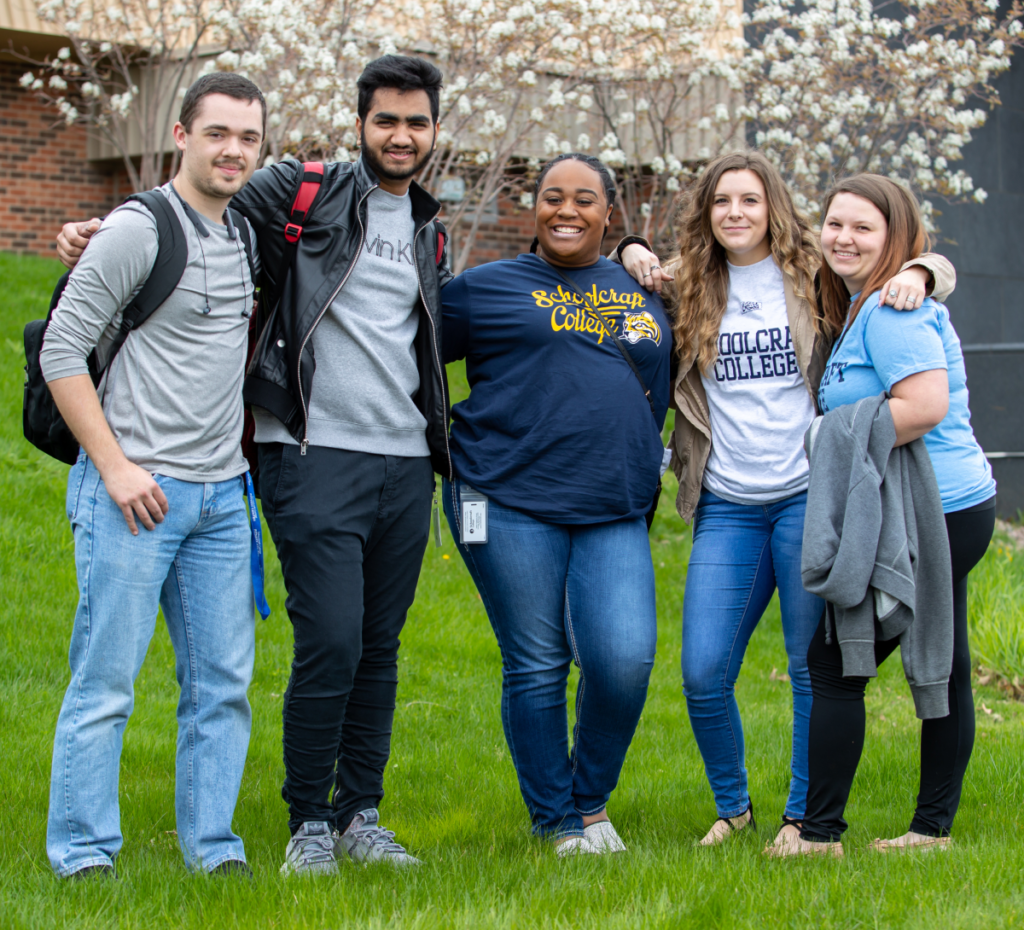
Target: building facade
{"points": [[986, 245]]}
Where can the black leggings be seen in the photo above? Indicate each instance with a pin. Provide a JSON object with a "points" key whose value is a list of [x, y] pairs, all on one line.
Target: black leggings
{"points": [[837, 714]]}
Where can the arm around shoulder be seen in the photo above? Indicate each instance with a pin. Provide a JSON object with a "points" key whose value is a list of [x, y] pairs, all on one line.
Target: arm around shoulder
{"points": [[269, 190], [942, 271]]}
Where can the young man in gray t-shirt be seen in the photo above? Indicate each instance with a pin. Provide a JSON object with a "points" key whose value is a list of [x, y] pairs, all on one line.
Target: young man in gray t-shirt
{"points": [[350, 400], [161, 441]]}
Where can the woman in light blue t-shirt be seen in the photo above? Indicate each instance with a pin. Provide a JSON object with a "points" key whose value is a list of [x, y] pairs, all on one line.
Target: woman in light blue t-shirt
{"points": [[872, 225], [751, 351]]}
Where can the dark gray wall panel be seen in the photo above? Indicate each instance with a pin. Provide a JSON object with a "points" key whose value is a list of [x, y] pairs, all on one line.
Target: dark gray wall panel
{"points": [[986, 244]]}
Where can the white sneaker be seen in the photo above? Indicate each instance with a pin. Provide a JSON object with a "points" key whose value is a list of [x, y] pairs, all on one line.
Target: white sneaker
{"points": [[575, 846], [603, 838], [310, 851], [367, 841]]}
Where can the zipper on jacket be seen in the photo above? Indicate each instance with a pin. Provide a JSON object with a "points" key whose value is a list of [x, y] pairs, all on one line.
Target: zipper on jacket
{"points": [[437, 354], [304, 445]]}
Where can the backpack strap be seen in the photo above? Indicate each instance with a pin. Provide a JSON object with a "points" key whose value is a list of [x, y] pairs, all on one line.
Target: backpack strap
{"points": [[309, 186], [242, 226], [309, 181], [171, 259]]}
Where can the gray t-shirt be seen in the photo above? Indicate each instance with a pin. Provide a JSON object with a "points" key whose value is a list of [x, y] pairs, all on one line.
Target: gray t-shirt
{"points": [[366, 375], [173, 394]]}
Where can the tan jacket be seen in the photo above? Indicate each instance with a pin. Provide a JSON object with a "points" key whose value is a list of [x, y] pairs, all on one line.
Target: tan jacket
{"points": [[691, 439]]}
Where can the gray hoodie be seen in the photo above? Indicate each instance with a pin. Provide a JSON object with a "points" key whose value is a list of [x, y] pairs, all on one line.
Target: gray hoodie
{"points": [[875, 548]]}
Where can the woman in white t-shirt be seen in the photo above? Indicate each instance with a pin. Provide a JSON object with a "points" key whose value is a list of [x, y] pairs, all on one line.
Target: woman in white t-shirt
{"points": [[752, 349]]}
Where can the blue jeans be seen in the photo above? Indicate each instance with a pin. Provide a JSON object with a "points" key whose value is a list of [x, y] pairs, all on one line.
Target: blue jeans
{"points": [[556, 594], [196, 566], [741, 554]]}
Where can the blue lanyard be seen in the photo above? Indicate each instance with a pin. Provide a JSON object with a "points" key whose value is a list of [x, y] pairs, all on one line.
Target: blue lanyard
{"points": [[256, 549]]}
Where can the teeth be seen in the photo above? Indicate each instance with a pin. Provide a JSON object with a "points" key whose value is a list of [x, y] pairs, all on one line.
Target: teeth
{"points": [[568, 229]]}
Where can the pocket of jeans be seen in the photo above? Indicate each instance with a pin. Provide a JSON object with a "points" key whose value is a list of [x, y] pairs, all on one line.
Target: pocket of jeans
{"points": [[76, 477]]}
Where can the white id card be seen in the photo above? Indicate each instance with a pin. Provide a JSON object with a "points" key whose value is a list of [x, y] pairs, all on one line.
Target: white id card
{"points": [[474, 516]]}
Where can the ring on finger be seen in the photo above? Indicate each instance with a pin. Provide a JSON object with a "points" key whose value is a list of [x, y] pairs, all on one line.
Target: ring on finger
{"points": [[893, 292]]}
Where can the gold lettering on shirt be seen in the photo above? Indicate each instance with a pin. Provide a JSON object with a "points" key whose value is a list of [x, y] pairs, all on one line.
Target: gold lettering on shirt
{"points": [[622, 313]]}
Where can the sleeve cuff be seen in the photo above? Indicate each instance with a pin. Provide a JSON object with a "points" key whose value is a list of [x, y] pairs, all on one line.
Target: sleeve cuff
{"points": [[630, 240]]}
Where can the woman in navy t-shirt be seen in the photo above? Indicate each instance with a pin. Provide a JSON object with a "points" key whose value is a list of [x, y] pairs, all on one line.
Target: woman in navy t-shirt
{"points": [[557, 456], [871, 226]]}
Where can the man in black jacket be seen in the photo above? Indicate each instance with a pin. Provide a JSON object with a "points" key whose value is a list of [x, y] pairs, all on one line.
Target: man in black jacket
{"points": [[350, 401]]}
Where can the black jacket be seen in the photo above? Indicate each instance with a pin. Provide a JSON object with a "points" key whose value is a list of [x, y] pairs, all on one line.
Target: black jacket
{"points": [[278, 379]]}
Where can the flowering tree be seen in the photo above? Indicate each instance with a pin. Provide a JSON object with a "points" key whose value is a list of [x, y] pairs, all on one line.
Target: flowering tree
{"points": [[306, 56], [122, 72], [834, 86], [823, 87], [527, 79], [662, 78]]}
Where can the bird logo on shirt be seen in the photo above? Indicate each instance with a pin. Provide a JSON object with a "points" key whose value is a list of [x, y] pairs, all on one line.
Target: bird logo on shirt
{"points": [[637, 326]]}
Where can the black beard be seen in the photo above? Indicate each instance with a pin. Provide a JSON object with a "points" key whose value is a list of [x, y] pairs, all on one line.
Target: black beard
{"points": [[372, 162]]}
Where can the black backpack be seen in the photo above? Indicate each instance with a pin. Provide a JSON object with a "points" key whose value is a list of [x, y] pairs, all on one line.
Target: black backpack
{"points": [[43, 425]]}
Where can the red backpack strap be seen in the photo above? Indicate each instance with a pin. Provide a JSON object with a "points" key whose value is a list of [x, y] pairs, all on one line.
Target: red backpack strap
{"points": [[440, 246], [312, 178]]}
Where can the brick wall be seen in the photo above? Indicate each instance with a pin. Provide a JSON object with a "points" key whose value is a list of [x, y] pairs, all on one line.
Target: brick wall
{"points": [[45, 178]]}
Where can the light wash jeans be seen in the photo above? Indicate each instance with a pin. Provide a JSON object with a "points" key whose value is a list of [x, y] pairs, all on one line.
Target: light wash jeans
{"points": [[557, 593], [741, 554], [196, 566]]}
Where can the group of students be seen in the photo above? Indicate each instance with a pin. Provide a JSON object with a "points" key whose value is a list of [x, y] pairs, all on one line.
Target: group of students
{"points": [[551, 470]]}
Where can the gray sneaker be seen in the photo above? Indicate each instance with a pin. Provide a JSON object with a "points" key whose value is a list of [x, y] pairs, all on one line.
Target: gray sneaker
{"points": [[310, 851], [367, 841]]}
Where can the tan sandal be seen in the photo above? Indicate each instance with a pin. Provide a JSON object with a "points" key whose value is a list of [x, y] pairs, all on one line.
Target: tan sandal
{"points": [[912, 841], [788, 842], [725, 827], [788, 833]]}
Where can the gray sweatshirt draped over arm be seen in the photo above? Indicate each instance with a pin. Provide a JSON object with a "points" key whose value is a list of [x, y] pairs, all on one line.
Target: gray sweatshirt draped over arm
{"points": [[875, 548]]}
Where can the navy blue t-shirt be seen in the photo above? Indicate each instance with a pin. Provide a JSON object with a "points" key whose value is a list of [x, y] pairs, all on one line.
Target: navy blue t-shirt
{"points": [[556, 424]]}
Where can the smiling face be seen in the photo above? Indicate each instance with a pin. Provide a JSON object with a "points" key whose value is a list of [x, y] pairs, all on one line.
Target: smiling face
{"points": [[572, 215], [220, 151], [853, 237], [397, 136], [739, 217]]}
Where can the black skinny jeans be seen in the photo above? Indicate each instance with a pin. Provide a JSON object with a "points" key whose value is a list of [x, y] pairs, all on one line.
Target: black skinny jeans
{"points": [[350, 530], [837, 714]]}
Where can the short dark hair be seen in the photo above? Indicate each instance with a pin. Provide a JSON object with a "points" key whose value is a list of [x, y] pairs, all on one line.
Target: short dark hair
{"points": [[403, 73], [591, 162], [219, 82]]}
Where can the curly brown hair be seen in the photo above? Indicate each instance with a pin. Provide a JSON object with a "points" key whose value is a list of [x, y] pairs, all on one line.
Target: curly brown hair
{"points": [[702, 279]]}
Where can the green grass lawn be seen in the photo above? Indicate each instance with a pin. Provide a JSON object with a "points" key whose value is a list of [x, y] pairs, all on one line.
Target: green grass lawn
{"points": [[451, 790]]}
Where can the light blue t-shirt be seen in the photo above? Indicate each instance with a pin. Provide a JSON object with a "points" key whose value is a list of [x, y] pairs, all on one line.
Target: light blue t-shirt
{"points": [[884, 346]]}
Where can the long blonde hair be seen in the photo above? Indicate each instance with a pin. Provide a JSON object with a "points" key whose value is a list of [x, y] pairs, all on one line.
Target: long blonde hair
{"points": [[702, 279]]}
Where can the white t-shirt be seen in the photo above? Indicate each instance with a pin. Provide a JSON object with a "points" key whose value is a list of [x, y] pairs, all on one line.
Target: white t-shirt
{"points": [[757, 399]]}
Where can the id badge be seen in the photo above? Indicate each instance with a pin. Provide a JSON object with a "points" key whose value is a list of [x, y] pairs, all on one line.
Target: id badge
{"points": [[474, 516]]}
